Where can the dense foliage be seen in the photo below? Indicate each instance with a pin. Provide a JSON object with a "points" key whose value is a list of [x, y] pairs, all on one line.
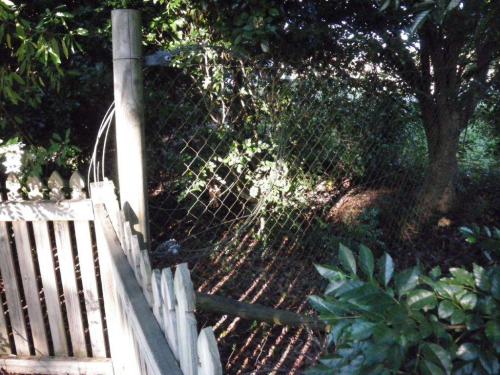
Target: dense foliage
{"points": [[486, 239], [267, 115], [385, 322], [35, 42], [32, 45]]}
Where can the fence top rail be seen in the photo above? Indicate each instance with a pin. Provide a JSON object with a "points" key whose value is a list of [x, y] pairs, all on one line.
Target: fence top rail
{"points": [[40, 203], [148, 333]]}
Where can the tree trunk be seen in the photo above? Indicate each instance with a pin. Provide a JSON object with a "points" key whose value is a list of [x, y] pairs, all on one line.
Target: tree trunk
{"points": [[437, 194]]}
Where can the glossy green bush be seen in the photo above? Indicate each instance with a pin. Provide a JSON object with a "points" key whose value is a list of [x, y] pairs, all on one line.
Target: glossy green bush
{"points": [[384, 322], [485, 238]]}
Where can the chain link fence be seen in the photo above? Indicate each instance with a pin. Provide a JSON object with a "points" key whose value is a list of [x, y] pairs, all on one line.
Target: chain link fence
{"points": [[272, 154], [256, 172]]}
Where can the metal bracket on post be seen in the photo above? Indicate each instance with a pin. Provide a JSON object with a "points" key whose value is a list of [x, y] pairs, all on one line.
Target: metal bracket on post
{"points": [[129, 115]]}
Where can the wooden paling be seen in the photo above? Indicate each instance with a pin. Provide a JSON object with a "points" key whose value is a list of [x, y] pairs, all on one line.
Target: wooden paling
{"points": [[87, 271], [171, 296], [151, 324], [67, 268], [28, 274], [44, 231], [12, 292], [49, 281]]}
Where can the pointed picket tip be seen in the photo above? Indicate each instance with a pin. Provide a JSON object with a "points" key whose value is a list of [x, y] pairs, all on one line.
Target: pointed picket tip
{"points": [[35, 188], [77, 185], [184, 290], [56, 185], [13, 188], [208, 353]]}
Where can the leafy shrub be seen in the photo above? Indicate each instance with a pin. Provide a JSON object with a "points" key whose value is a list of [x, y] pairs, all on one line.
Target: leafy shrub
{"points": [[33, 43], [478, 148], [486, 239], [29, 160], [384, 322]]}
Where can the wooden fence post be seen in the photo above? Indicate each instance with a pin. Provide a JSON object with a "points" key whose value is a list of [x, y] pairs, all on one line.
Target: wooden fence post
{"points": [[129, 112]]}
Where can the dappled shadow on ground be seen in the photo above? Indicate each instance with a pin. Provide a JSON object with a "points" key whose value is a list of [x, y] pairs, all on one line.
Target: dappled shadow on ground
{"points": [[281, 273], [281, 279]]}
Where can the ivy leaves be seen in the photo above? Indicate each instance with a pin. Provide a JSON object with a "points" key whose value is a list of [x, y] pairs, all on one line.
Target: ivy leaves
{"points": [[385, 322]]}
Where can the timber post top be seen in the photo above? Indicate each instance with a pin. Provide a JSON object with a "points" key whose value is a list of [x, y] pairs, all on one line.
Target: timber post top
{"points": [[126, 26]]}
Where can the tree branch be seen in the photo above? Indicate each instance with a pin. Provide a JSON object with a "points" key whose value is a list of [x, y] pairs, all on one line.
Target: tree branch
{"points": [[255, 312]]}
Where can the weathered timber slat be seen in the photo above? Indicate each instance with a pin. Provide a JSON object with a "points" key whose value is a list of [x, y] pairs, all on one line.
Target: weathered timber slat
{"points": [[30, 286], [70, 289], [47, 211], [208, 353], [4, 334], [12, 293], [90, 291], [50, 288], [187, 334], [57, 366], [88, 273], [48, 273]]}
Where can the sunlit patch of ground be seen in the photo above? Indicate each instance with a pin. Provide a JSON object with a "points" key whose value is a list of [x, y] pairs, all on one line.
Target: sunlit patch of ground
{"points": [[352, 205]]}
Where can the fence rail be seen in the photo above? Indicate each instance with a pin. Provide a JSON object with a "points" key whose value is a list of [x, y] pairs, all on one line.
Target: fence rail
{"points": [[169, 295]]}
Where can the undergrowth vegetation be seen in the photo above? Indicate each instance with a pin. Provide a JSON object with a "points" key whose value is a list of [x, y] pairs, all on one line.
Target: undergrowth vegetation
{"points": [[385, 322]]}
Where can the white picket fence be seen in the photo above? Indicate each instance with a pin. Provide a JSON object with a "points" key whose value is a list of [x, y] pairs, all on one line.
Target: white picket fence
{"points": [[53, 318], [171, 297]]}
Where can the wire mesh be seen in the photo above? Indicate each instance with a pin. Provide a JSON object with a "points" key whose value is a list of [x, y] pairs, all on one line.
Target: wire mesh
{"points": [[268, 151], [257, 171]]}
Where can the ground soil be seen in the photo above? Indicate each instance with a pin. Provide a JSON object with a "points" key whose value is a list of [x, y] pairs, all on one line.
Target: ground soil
{"points": [[284, 276]]}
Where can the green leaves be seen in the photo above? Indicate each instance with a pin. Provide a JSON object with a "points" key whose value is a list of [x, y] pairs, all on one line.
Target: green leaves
{"points": [[33, 52], [429, 368], [495, 282], [462, 276], [366, 261], [452, 320], [346, 258], [453, 4], [361, 330], [421, 299], [437, 355], [446, 309], [419, 21], [386, 268], [467, 352], [385, 5], [485, 238], [493, 331], [468, 301], [480, 279], [325, 308], [328, 272], [407, 280]]}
